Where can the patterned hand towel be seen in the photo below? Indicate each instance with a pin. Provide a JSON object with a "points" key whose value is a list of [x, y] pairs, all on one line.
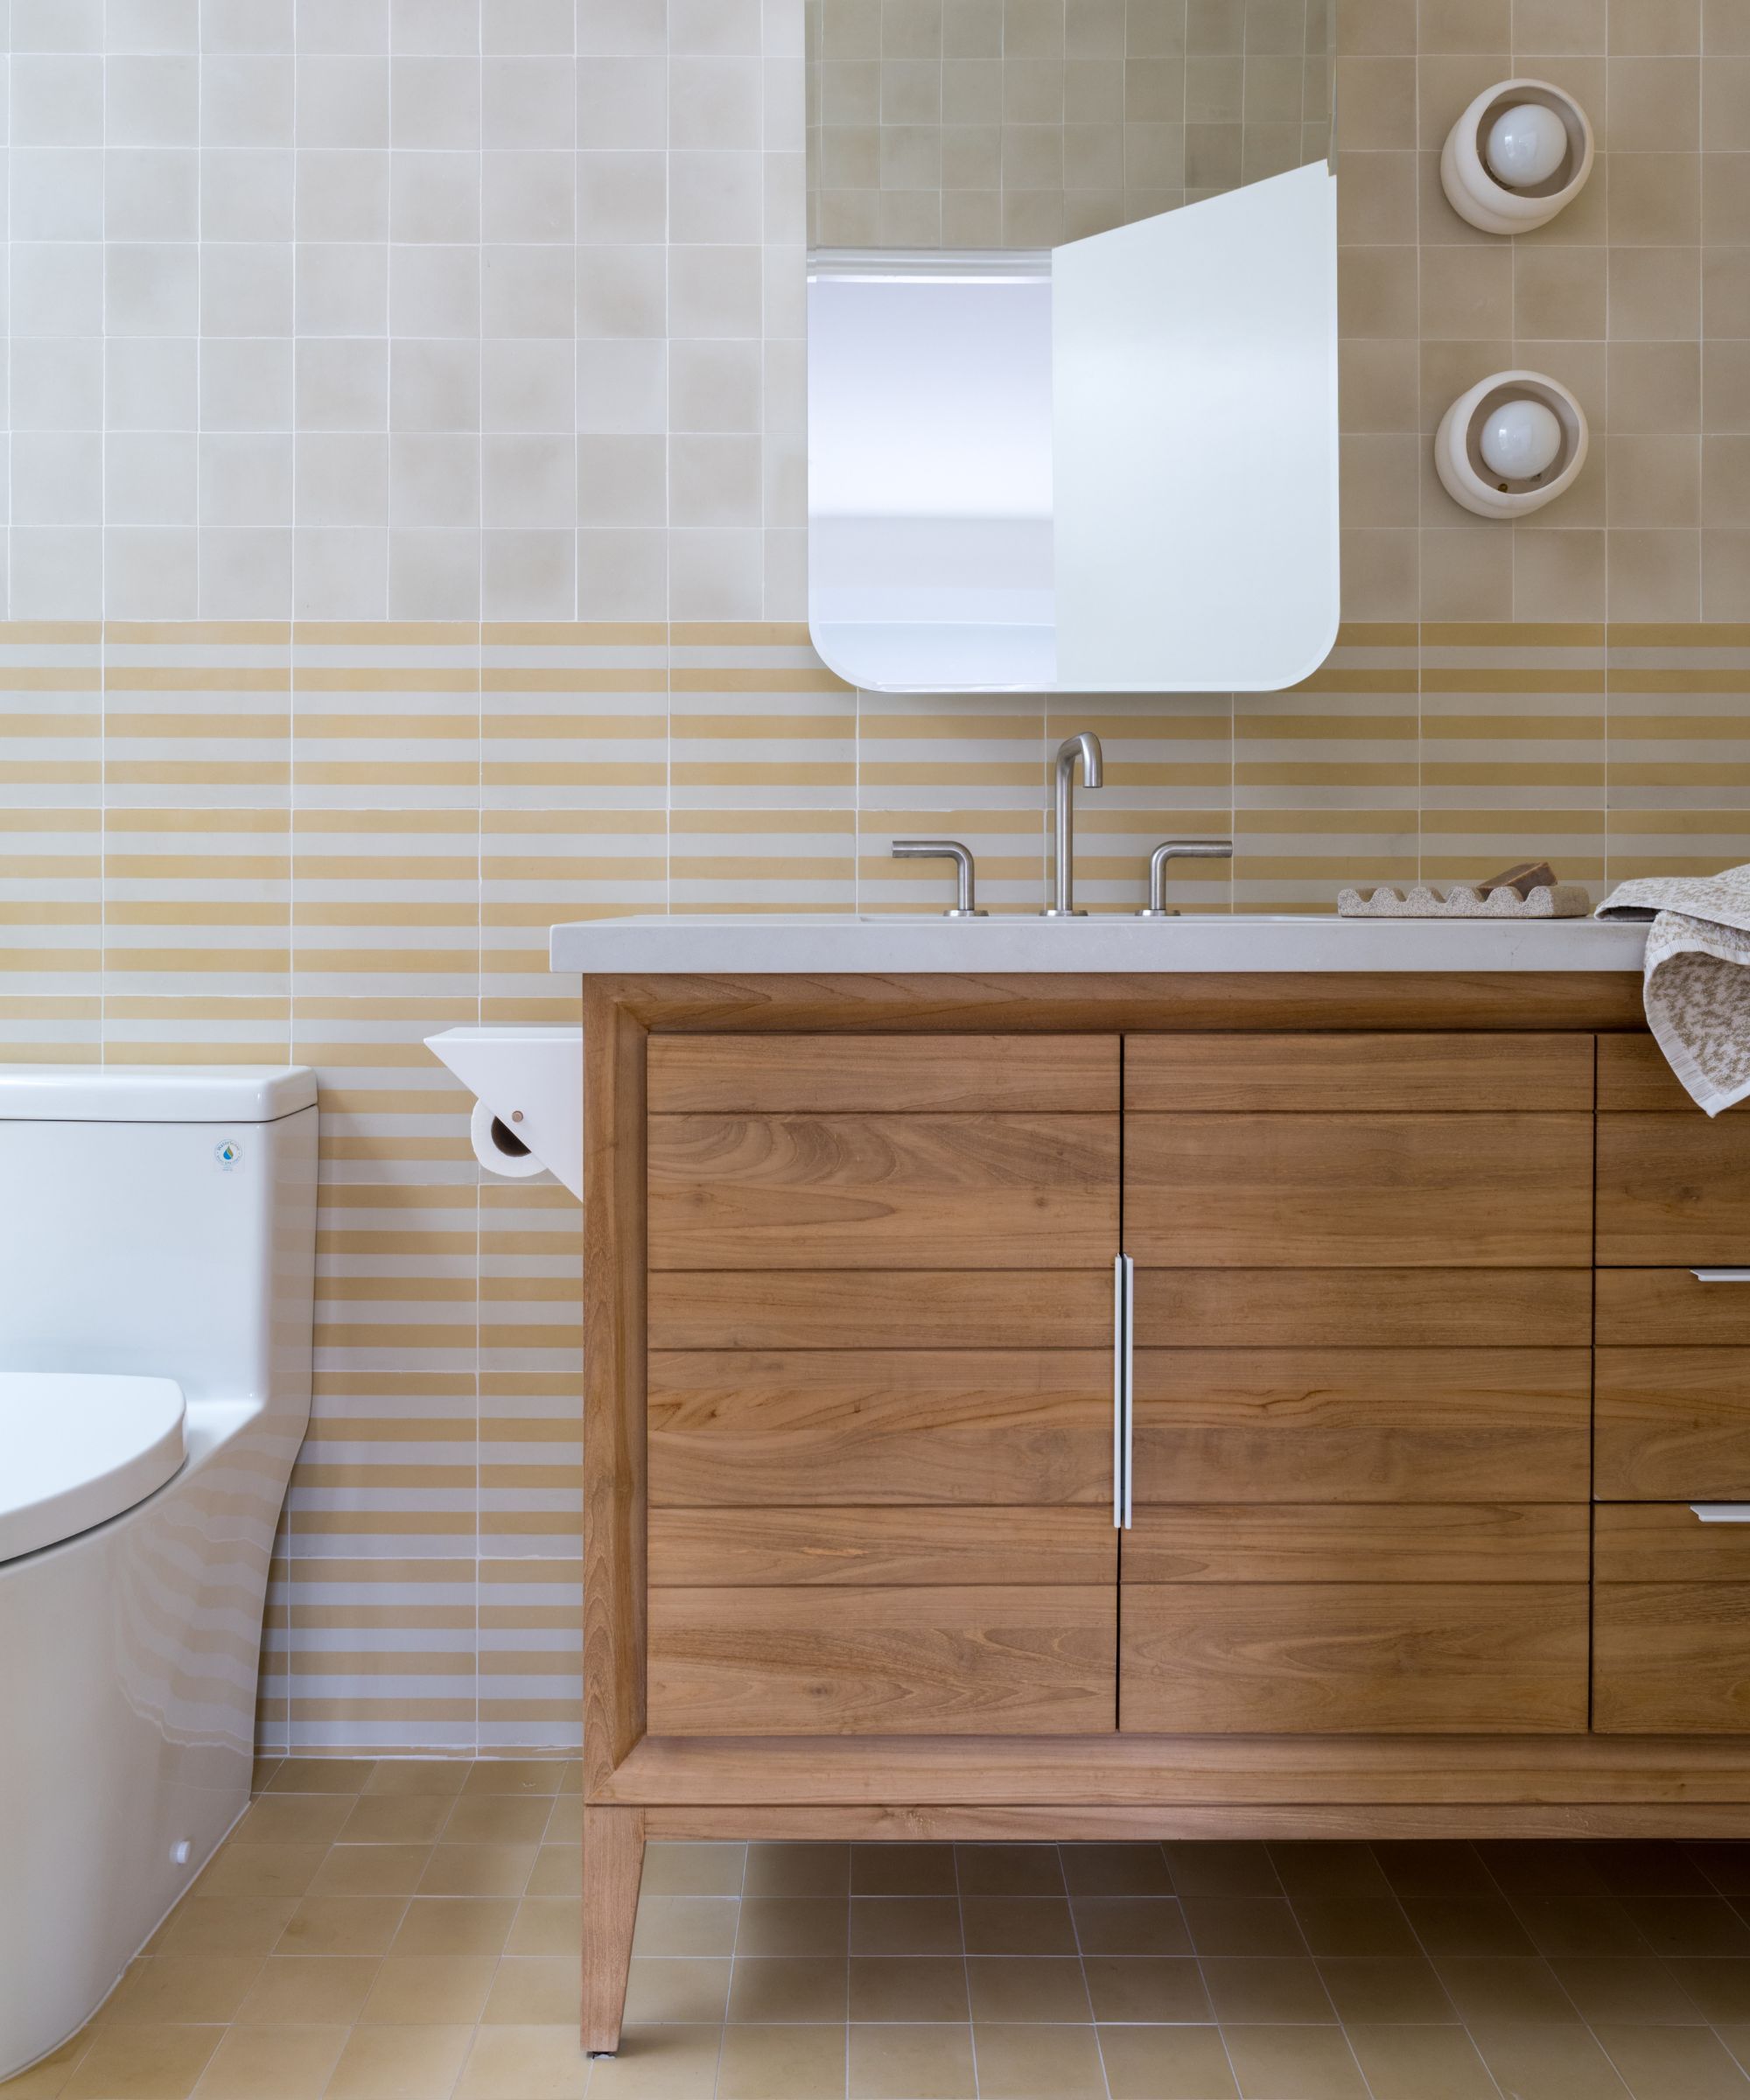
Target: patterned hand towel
{"points": [[1696, 984]]}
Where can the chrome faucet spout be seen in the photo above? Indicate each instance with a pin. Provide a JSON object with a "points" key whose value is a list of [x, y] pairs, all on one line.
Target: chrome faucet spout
{"points": [[1085, 747]]}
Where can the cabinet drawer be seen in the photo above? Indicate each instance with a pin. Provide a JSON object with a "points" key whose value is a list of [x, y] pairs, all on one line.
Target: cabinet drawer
{"points": [[951, 1660], [1341, 1191], [1371, 1308], [1347, 1659], [1670, 1622], [1360, 1542], [903, 1548], [1633, 1076], [891, 1075], [1673, 1190], [1361, 1074], [1672, 1424], [889, 1192], [1669, 1308], [1361, 1424], [850, 1309]]}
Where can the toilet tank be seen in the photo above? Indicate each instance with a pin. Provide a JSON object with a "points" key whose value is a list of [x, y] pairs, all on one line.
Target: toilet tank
{"points": [[160, 1220]]}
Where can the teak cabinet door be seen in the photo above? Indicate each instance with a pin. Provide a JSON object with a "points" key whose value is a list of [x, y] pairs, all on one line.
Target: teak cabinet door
{"points": [[880, 1384], [1361, 1384]]}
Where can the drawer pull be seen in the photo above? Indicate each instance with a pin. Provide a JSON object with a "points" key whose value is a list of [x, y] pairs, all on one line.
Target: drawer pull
{"points": [[1722, 1513], [1124, 1329], [1721, 1276]]}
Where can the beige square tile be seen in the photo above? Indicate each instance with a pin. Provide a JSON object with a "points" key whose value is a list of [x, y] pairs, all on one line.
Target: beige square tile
{"points": [[1293, 2064], [910, 1988], [261, 1870], [1009, 1870], [902, 1869], [912, 2063], [399, 2063], [1626, 1991], [481, 1870], [1421, 2063], [1010, 1988], [547, 1925], [1720, 1988], [454, 1925], [1266, 1990], [371, 1870], [535, 1775], [322, 1775], [1123, 1989], [128, 2063], [292, 1819], [1673, 2063], [565, 1822], [170, 1989], [1547, 2063], [1504, 1987], [430, 1989], [322, 1990], [773, 1991], [674, 1989], [691, 1925], [548, 2063], [424, 1775], [538, 1991], [1115, 1870], [233, 1926], [1241, 1925], [782, 2063], [1579, 1925], [694, 1870], [1166, 2063], [1018, 1925], [1385, 1988], [1338, 1924], [515, 1819], [394, 1819], [343, 1925], [902, 1925], [1130, 1925], [1038, 2063], [272, 2063], [798, 1869], [559, 1870]]}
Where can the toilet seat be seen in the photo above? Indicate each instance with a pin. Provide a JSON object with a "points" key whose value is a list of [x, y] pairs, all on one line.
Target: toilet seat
{"points": [[77, 1448]]}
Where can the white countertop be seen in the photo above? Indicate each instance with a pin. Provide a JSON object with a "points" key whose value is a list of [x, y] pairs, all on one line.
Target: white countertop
{"points": [[1013, 944]]}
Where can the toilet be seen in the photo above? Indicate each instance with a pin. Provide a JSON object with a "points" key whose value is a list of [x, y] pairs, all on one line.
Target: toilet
{"points": [[158, 1230]]}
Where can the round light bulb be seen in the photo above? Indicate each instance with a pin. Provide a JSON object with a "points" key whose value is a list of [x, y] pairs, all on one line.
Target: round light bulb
{"points": [[1526, 145], [1520, 439]]}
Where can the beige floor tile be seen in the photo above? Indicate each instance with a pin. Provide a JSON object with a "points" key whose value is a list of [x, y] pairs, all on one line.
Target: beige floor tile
{"points": [[565, 1820], [1385, 1987], [1579, 1925], [498, 1819], [1547, 2063], [689, 1991], [1166, 2063], [427, 1776], [1241, 1925], [689, 1925], [49, 2074], [902, 1925], [236, 1926], [1506, 1989], [548, 2063], [1121, 1989], [768, 1990], [399, 2063], [515, 1776], [1294, 2063], [1421, 2063], [1009, 1870], [1672, 2063], [395, 1819], [454, 1925], [343, 1925], [912, 2063], [535, 1991], [267, 1763], [1720, 1989], [1132, 1925], [782, 2063], [1697, 1925], [1008, 1988], [322, 1775], [478, 1870], [694, 1870], [1018, 1925], [371, 1870], [797, 1870], [1725, 1866], [1628, 1992], [1038, 2063], [292, 1819], [434, 1990], [1115, 1870], [1552, 1867], [171, 1990], [271, 2063], [312, 1990], [1263, 1990], [1237, 1868], [921, 1987], [1355, 1925], [1328, 1867], [1649, 1868], [558, 1870], [1468, 1926], [261, 1870], [902, 1869], [143, 2064], [1433, 1867], [547, 1925], [1735, 2033], [653, 2063]]}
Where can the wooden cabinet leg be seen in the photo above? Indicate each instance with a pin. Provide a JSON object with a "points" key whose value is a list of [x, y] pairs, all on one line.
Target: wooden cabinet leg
{"points": [[613, 1865]]}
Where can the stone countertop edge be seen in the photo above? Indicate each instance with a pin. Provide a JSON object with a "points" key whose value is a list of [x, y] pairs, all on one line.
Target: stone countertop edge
{"points": [[1014, 944]]}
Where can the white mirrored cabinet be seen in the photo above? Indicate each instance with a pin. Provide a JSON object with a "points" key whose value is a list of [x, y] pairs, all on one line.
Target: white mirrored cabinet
{"points": [[1072, 344]]}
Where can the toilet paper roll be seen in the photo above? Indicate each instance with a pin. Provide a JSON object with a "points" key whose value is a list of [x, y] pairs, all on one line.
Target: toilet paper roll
{"points": [[489, 1137]]}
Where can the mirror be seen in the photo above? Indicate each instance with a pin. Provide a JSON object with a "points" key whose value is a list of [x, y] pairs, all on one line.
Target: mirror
{"points": [[1072, 344]]}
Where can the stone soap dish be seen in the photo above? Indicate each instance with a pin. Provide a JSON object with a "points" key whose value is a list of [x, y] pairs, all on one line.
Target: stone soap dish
{"points": [[1467, 900]]}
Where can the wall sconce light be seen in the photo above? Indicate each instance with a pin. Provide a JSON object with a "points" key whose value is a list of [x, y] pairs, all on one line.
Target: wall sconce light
{"points": [[1511, 444], [1518, 155]]}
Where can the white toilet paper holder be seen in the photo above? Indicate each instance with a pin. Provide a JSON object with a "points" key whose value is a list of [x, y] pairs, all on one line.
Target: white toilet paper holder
{"points": [[529, 1089]]}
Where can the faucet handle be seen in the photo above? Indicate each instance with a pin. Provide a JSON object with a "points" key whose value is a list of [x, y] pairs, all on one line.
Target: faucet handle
{"points": [[1177, 849], [945, 849]]}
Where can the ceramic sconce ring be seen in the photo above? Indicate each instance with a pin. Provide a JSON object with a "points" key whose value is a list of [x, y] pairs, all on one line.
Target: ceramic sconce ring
{"points": [[1511, 444], [1519, 153]]}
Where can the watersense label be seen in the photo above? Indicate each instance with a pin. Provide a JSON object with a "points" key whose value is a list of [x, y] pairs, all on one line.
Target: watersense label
{"points": [[228, 1155]]}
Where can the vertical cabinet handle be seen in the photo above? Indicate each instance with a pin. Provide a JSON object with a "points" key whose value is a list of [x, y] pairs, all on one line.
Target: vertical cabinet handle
{"points": [[1123, 1323]]}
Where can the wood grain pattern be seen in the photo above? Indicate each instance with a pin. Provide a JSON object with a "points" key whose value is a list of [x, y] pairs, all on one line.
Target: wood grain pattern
{"points": [[614, 1866], [1634, 1077], [1671, 1658], [1034, 1660], [893, 1192], [1670, 1308], [1672, 1424], [828, 1076], [911, 1549], [1666, 1542], [1360, 1425], [1360, 1542], [1357, 1074], [1479, 1190], [880, 1309], [1365, 1308], [1673, 1189], [884, 1426], [1344, 1659]]}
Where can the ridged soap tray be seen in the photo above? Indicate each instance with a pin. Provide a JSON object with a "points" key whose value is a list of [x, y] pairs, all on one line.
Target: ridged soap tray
{"points": [[1563, 900]]}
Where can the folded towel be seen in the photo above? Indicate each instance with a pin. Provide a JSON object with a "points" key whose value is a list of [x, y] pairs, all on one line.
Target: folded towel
{"points": [[1697, 978]]}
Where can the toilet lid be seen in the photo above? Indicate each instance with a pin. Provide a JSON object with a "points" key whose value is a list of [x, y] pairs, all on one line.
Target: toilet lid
{"points": [[78, 1448]]}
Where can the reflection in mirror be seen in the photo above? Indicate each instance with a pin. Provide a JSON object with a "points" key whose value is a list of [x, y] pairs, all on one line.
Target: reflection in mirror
{"points": [[1064, 432]]}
